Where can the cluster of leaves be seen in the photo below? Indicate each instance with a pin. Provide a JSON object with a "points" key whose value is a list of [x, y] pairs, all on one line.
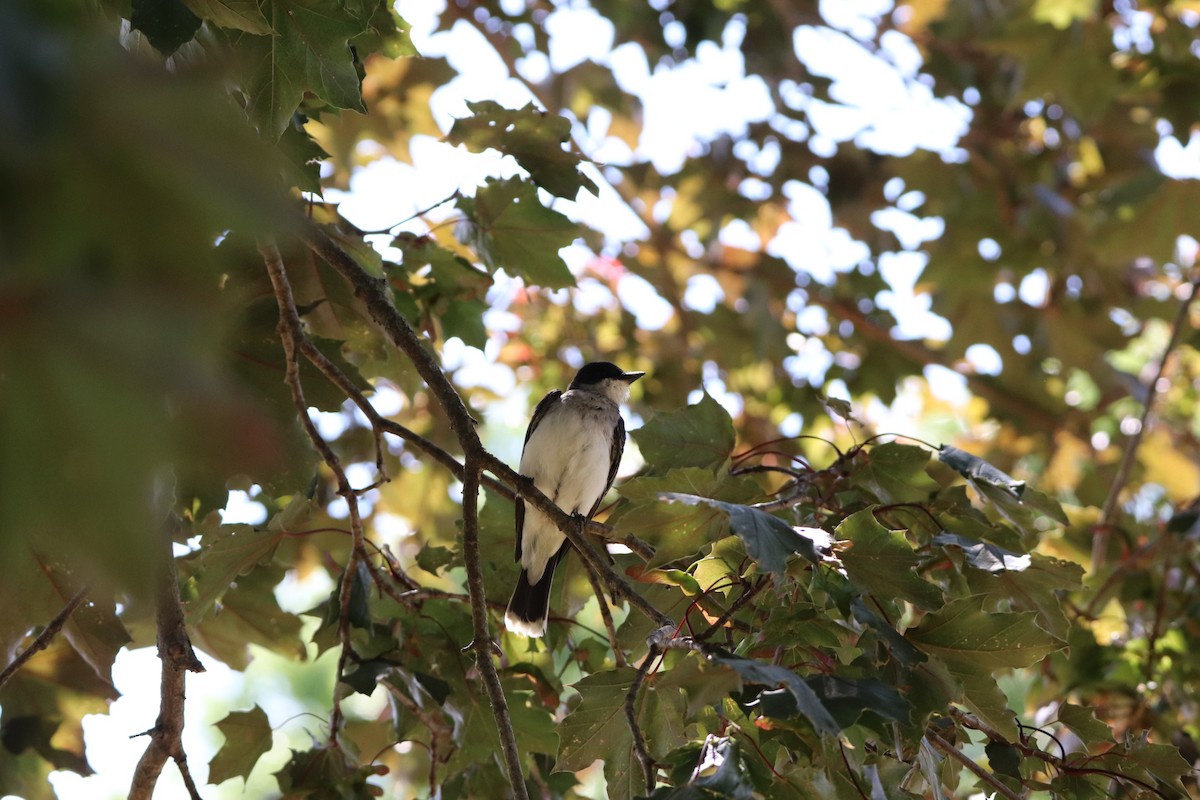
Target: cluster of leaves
{"points": [[855, 617]]}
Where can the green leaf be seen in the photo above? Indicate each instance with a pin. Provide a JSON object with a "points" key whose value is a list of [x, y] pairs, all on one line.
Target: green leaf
{"points": [[773, 675], [1003, 758], [168, 24], [226, 552], [769, 540], [962, 630], [464, 319], [247, 737], [1039, 588], [242, 15], [883, 563], [700, 435], [718, 774], [324, 772], [597, 728], [309, 52], [1146, 762], [510, 229], [250, 614], [534, 138], [845, 698], [677, 531], [432, 558], [894, 473], [1083, 722], [973, 644]]}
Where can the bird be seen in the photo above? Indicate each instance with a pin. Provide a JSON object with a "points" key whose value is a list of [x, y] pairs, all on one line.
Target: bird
{"points": [[572, 449]]}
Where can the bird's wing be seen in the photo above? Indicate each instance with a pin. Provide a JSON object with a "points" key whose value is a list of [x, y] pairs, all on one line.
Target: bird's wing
{"points": [[548, 402], [618, 448]]}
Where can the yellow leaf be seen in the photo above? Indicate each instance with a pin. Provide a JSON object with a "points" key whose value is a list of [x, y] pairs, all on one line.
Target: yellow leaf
{"points": [[1063, 13], [1167, 467]]}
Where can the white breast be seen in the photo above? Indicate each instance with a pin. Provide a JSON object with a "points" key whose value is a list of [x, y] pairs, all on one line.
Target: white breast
{"points": [[568, 457]]}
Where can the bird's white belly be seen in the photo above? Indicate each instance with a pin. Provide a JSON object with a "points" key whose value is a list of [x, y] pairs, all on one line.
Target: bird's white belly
{"points": [[569, 463]]}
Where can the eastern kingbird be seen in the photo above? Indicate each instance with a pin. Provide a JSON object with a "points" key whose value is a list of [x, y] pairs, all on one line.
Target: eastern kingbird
{"points": [[572, 449]]}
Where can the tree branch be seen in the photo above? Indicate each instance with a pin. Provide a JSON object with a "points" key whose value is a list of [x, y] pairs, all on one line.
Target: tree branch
{"points": [[292, 335], [953, 752], [45, 637], [482, 642], [606, 615], [639, 739], [177, 657], [1104, 524]]}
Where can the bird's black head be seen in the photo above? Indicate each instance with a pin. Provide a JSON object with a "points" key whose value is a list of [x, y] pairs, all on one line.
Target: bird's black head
{"points": [[597, 371]]}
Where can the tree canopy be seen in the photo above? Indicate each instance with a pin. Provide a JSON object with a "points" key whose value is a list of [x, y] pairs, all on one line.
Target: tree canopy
{"points": [[909, 508]]}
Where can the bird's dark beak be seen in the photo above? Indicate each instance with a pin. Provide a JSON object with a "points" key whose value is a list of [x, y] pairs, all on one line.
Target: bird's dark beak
{"points": [[630, 377]]}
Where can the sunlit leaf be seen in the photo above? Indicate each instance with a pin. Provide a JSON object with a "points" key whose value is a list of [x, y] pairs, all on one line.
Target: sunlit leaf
{"points": [[700, 435], [510, 229]]}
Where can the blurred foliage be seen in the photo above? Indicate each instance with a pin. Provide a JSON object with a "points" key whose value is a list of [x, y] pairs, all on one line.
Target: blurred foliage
{"points": [[861, 613]]}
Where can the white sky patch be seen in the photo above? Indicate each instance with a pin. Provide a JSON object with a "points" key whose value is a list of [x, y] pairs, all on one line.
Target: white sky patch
{"points": [[240, 508], [702, 293], [912, 231], [1178, 160], [914, 319], [639, 297], [578, 35], [808, 242], [947, 384], [878, 101], [857, 18], [984, 359], [738, 233], [1034, 288]]}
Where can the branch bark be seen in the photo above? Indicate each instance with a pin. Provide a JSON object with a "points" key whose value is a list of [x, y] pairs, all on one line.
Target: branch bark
{"points": [[45, 637], [293, 337], [482, 642], [177, 657], [1104, 525]]}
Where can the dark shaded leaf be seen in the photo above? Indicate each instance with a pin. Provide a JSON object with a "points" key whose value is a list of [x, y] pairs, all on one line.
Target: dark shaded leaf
{"points": [[1003, 758], [247, 737], [168, 24], [772, 675], [882, 562], [534, 138]]}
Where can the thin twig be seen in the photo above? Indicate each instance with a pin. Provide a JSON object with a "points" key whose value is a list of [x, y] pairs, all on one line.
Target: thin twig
{"points": [[482, 641], [953, 752], [1104, 524], [291, 333], [606, 615], [736, 606], [45, 637], [631, 716], [177, 657]]}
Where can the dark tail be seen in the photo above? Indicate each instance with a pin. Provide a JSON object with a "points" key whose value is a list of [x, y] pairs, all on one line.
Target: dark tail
{"points": [[530, 603]]}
